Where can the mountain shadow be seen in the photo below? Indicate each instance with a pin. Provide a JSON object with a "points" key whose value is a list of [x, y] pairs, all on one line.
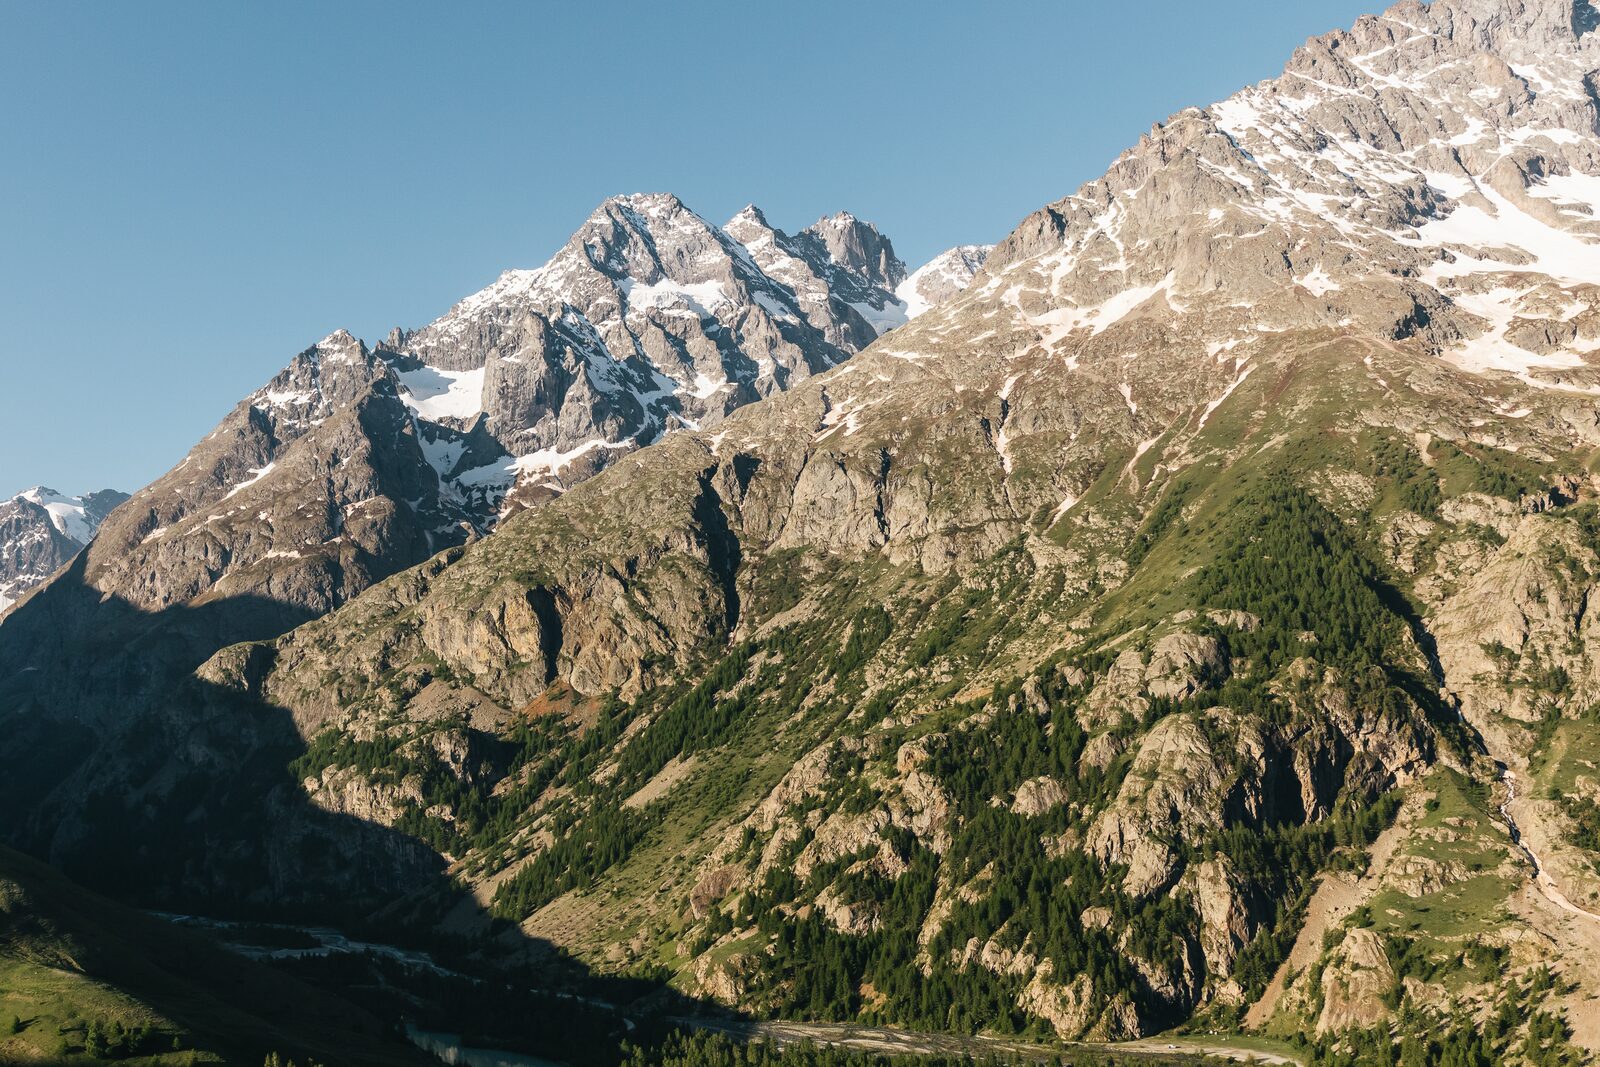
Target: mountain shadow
{"points": [[80, 970], [167, 792]]}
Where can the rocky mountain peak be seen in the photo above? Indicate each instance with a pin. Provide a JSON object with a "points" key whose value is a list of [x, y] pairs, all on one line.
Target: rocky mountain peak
{"points": [[748, 215], [650, 319], [77, 517], [340, 341], [651, 205], [41, 530], [329, 376], [941, 278], [859, 248]]}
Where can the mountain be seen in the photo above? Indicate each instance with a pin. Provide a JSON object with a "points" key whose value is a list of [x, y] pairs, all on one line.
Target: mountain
{"points": [[40, 530], [353, 462], [941, 278], [1185, 624], [649, 319]]}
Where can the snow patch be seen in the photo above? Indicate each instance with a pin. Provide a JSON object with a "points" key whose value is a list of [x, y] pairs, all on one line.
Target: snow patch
{"points": [[892, 315], [692, 298], [1101, 317], [773, 307], [442, 394], [442, 453], [1551, 251], [1226, 393], [705, 387], [1318, 283], [256, 474], [545, 462]]}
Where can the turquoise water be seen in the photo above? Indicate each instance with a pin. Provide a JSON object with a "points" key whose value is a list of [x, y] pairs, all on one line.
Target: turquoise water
{"points": [[448, 1047]]}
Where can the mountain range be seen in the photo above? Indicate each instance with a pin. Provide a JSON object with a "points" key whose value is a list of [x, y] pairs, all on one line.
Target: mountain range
{"points": [[354, 462], [1176, 616]]}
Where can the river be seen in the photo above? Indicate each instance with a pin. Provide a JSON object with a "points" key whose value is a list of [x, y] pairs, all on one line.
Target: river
{"points": [[331, 942], [1541, 877], [448, 1047]]}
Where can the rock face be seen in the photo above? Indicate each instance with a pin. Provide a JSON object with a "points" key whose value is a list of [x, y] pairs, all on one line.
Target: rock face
{"points": [[1173, 789], [41, 530], [1525, 612], [1355, 983], [1227, 920], [1074, 1011]]}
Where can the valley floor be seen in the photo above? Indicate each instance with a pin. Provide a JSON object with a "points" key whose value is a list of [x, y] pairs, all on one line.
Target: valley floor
{"points": [[892, 1041]]}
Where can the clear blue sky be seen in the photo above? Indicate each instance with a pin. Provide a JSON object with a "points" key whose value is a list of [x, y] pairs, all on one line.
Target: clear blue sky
{"points": [[190, 193]]}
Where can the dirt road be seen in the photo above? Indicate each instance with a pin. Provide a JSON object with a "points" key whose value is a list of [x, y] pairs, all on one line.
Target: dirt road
{"points": [[911, 1042]]}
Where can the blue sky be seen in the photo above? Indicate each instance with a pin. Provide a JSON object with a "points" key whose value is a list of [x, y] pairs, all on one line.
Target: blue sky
{"points": [[190, 193]]}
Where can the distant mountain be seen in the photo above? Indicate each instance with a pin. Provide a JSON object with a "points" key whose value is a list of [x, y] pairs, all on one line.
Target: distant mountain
{"points": [[355, 462], [941, 278], [40, 530]]}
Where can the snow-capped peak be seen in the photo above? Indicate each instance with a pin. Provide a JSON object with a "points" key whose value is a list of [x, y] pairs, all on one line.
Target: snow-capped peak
{"points": [[941, 278], [70, 515], [649, 319], [340, 338], [40, 530], [652, 205], [749, 213]]}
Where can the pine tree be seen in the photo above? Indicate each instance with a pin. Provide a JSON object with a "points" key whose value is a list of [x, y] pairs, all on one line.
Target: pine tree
{"points": [[95, 1043]]}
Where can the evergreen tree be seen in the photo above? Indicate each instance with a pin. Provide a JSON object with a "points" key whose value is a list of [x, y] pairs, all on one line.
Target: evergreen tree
{"points": [[95, 1042]]}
